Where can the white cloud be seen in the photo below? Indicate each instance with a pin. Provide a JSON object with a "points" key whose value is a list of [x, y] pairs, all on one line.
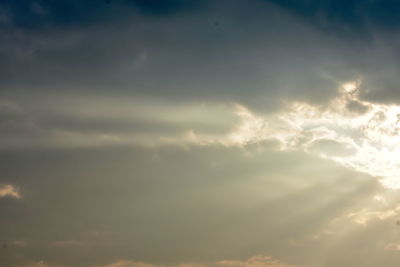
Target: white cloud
{"points": [[8, 190]]}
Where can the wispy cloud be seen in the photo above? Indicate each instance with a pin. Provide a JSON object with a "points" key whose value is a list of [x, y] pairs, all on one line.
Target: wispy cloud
{"points": [[67, 243], [125, 263], [259, 261], [393, 247], [255, 261], [42, 264], [364, 216]]}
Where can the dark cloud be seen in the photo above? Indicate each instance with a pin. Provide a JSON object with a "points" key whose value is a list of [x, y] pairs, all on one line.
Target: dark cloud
{"points": [[183, 57], [257, 49]]}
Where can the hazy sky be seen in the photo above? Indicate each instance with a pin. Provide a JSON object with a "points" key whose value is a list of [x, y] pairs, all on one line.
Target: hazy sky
{"points": [[196, 133]]}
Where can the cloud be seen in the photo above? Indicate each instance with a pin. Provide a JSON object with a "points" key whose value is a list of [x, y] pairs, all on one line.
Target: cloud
{"points": [[365, 140], [95, 121], [16, 125], [154, 123], [8, 190], [125, 263], [365, 216], [203, 193], [392, 247], [37, 264], [252, 61], [42, 264], [349, 130], [255, 261], [67, 243], [19, 243]]}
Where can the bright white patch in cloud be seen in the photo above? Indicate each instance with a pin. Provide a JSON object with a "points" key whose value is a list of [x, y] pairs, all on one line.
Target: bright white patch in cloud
{"points": [[358, 134], [380, 199], [8, 190]]}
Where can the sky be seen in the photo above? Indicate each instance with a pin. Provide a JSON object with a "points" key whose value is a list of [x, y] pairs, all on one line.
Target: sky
{"points": [[196, 133]]}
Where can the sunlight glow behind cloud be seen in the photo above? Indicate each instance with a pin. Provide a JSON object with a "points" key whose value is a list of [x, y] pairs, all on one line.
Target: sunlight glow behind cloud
{"points": [[358, 134]]}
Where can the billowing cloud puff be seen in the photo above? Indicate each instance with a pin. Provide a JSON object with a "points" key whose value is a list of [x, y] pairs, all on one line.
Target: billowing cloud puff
{"points": [[8, 190]]}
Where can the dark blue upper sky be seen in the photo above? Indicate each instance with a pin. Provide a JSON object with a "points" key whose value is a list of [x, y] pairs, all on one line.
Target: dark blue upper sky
{"points": [[350, 15], [45, 13]]}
